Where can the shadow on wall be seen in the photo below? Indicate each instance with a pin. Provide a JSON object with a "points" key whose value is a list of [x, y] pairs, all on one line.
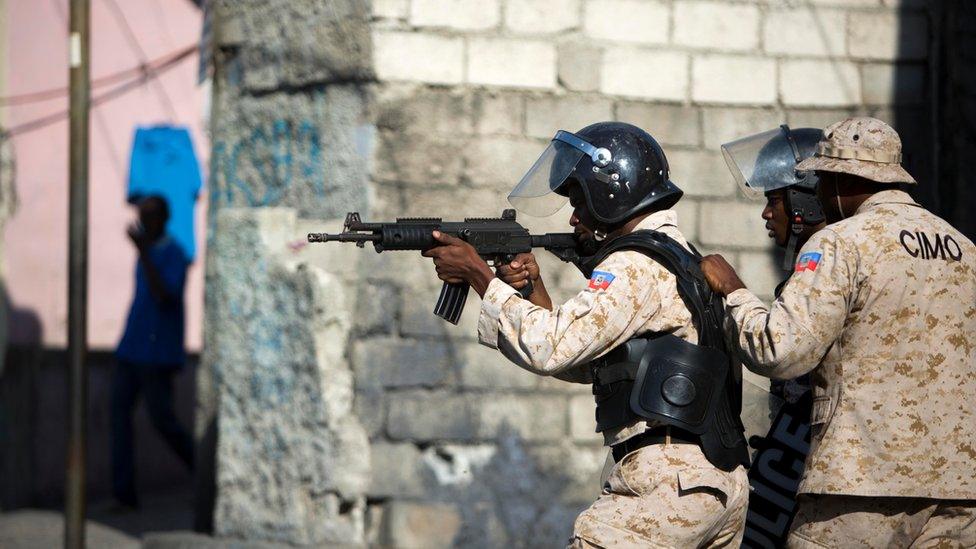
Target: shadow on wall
{"points": [[948, 134], [33, 390], [525, 504], [913, 105], [23, 325]]}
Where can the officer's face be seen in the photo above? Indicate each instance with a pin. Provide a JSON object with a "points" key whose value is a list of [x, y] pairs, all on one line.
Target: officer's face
{"points": [[581, 220], [777, 222]]}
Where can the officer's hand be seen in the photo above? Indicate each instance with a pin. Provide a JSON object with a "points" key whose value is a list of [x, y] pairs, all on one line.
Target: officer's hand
{"points": [[523, 268], [457, 261], [720, 275]]}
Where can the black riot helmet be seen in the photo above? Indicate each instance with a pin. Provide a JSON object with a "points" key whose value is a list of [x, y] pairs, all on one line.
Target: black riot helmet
{"points": [[620, 167], [766, 162]]}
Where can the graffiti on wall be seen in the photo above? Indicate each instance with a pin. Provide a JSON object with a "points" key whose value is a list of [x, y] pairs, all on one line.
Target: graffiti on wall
{"points": [[261, 167]]}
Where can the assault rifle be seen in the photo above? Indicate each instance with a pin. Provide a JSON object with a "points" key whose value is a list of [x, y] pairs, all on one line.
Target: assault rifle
{"points": [[497, 241]]}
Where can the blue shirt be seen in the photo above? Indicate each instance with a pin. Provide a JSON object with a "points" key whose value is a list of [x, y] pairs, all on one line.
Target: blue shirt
{"points": [[154, 331], [163, 163]]}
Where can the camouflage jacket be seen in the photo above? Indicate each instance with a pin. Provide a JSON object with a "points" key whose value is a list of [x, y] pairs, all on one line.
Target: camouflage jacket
{"points": [[887, 300], [628, 295]]}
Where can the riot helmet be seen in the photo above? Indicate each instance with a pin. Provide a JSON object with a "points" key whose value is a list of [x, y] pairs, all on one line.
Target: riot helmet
{"points": [[766, 162], [621, 169]]}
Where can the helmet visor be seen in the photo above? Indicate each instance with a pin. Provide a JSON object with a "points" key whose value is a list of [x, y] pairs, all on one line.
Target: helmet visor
{"points": [[759, 161], [534, 195]]}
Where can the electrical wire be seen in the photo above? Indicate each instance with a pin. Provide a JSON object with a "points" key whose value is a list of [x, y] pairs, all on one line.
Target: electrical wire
{"points": [[149, 73], [140, 54], [54, 93]]}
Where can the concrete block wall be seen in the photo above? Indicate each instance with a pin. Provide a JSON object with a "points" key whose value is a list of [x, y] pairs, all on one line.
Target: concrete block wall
{"points": [[468, 94]]}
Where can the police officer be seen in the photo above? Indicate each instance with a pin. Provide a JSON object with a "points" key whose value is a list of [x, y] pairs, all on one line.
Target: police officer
{"points": [[679, 479], [885, 297], [764, 165]]}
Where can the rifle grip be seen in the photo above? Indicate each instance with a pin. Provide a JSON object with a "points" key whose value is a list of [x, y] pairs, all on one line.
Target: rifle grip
{"points": [[526, 290], [450, 303]]}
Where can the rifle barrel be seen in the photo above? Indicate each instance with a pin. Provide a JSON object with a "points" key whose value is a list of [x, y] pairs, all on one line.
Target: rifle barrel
{"points": [[344, 237]]}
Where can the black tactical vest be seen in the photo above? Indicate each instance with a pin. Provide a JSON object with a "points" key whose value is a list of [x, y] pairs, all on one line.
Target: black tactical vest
{"points": [[661, 377]]}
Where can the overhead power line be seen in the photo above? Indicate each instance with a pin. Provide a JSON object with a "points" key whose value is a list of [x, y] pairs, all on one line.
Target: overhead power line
{"points": [[141, 69], [151, 71]]}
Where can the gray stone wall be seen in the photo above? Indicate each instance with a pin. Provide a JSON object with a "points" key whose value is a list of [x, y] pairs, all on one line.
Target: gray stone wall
{"points": [[289, 138], [436, 109]]}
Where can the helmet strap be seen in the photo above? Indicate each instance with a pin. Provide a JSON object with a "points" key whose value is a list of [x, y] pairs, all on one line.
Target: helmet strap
{"points": [[840, 206], [789, 260]]}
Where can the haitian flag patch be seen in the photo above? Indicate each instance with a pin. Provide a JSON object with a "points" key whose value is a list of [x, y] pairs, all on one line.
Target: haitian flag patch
{"points": [[600, 280], [808, 261]]}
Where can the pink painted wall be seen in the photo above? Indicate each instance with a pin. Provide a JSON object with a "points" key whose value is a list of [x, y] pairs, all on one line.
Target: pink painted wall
{"points": [[35, 239]]}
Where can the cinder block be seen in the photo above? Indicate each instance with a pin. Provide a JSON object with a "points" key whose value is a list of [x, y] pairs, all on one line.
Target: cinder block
{"points": [[884, 84], [728, 124], [483, 368], [423, 111], [390, 9], [498, 112], [545, 115], [577, 465], [762, 271], [417, 318], [455, 14], [376, 308], [579, 66], [733, 79], [819, 83], [397, 471], [408, 271], [421, 159], [416, 525], [582, 419], [816, 118], [541, 16], [511, 63], [535, 417], [716, 25], [887, 35], [418, 57], [637, 21], [429, 415], [701, 173], [646, 74], [389, 362], [687, 210], [669, 124], [733, 224], [501, 161], [369, 407], [805, 30]]}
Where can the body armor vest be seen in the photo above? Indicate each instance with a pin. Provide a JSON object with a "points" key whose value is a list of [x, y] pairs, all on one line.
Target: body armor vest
{"points": [[663, 378]]}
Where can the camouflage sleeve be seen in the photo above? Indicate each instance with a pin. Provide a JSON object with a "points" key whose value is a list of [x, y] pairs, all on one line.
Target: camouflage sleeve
{"points": [[623, 293], [791, 337]]}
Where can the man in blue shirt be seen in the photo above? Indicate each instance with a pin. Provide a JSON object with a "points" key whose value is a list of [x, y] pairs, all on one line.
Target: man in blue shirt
{"points": [[151, 351]]}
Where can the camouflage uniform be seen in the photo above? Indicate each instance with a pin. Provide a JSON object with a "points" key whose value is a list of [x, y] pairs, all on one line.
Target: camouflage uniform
{"points": [[641, 503], [886, 298]]}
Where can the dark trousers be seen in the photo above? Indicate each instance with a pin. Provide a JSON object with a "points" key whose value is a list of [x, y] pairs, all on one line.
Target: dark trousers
{"points": [[156, 385]]}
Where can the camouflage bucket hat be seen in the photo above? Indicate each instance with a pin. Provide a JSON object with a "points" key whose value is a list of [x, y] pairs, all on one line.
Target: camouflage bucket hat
{"points": [[862, 146]]}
